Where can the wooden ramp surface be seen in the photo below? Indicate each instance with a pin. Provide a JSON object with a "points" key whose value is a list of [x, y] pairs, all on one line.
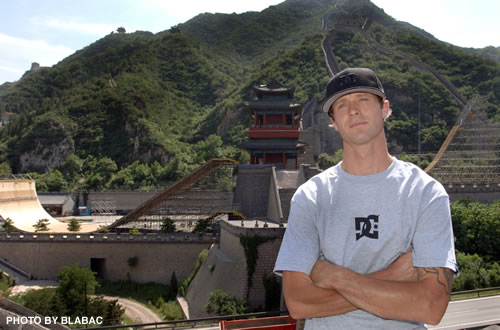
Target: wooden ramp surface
{"points": [[19, 202]]}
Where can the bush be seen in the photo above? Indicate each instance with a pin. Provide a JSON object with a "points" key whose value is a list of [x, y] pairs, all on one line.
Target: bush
{"points": [[74, 225], [221, 303], [325, 161], [167, 225], [477, 228], [474, 273], [170, 310], [44, 301]]}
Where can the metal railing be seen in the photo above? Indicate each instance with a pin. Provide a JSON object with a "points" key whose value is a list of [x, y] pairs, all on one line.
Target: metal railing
{"points": [[10, 176], [214, 320], [193, 323], [478, 291]]}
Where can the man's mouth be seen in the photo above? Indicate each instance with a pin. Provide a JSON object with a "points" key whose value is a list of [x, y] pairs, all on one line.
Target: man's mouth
{"points": [[356, 124]]}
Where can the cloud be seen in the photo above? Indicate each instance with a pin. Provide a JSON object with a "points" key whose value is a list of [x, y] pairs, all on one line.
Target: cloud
{"points": [[75, 26], [18, 54], [184, 10]]}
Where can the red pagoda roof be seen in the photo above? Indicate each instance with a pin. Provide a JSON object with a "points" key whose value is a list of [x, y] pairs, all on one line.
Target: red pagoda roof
{"points": [[274, 88]]}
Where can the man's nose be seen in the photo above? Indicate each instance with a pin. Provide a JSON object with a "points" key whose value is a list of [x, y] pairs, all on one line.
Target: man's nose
{"points": [[353, 109]]}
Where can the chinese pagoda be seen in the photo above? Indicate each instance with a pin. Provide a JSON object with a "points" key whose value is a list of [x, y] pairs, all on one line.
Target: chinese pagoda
{"points": [[274, 127]]}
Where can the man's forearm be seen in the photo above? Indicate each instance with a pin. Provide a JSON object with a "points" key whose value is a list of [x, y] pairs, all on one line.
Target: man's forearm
{"points": [[305, 299], [424, 300]]}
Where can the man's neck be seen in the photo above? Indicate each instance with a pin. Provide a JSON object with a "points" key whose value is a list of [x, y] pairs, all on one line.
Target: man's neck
{"points": [[366, 159]]}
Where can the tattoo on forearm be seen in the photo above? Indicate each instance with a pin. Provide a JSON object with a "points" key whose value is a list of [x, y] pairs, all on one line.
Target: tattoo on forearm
{"points": [[446, 282]]}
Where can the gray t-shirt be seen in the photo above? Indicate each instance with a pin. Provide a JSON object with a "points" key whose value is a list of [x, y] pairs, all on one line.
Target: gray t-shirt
{"points": [[364, 223]]}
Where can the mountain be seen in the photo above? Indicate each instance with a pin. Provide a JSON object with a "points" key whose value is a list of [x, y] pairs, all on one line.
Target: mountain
{"points": [[161, 97]]}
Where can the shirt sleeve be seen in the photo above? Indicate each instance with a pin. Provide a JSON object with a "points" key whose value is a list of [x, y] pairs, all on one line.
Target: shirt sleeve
{"points": [[300, 247], [433, 244]]}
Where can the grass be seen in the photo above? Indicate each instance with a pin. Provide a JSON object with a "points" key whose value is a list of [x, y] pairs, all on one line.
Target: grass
{"points": [[141, 292], [475, 294], [199, 261], [169, 310]]}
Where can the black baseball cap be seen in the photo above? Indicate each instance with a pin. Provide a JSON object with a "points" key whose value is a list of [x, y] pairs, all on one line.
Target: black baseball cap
{"points": [[352, 80]]}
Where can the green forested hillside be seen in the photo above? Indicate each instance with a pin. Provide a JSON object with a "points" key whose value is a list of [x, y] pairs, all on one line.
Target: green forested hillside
{"points": [[149, 105]]}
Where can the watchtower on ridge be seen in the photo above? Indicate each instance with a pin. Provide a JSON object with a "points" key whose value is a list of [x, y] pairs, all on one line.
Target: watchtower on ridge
{"points": [[274, 126]]}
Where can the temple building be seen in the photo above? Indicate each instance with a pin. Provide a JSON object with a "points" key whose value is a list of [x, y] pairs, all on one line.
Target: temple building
{"points": [[274, 127]]}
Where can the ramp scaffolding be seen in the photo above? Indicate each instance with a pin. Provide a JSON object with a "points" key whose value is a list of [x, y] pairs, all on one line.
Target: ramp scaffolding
{"points": [[205, 191], [470, 154]]}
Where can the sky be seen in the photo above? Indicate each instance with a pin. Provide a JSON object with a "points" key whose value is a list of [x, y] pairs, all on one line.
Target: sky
{"points": [[48, 31]]}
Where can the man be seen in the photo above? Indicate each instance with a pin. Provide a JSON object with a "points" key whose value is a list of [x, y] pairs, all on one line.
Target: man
{"points": [[369, 242]]}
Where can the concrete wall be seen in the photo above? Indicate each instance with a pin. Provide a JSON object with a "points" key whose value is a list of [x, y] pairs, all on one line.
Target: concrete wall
{"points": [[225, 267], [158, 256], [481, 193], [252, 189]]}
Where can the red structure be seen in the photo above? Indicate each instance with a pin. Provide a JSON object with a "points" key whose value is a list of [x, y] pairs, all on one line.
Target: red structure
{"points": [[274, 126], [268, 323]]}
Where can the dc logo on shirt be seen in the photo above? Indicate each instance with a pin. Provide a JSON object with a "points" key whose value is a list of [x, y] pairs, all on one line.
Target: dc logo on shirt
{"points": [[367, 227]]}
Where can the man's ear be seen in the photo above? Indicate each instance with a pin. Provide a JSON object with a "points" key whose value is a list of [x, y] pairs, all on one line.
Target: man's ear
{"points": [[386, 110], [334, 124]]}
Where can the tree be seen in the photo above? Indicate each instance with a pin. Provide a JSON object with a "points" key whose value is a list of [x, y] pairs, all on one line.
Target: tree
{"points": [[325, 161], [74, 225], [42, 225], [8, 225], [208, 148], [221, 303], [475, 273], [134, 231], [476, 227], [121, 29], [167, 225], [98, 172], [53, 180], [71, 297], [203, 226], [110, 311], [75, 284], [72, 167]]}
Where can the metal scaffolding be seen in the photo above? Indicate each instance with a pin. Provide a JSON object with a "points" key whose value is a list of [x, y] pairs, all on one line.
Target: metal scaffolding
{"points": [[205, 191], [470, 154]]}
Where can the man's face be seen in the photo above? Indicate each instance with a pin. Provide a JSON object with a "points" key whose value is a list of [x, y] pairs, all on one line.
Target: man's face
{"points": [[359, 117]]}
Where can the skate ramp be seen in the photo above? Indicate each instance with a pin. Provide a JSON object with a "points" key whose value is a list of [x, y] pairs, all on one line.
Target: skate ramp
{"points": [[19, 202]]}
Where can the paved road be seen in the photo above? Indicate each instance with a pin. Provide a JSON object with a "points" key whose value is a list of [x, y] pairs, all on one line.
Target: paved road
{"points": [[136, 311], [471, 313]]}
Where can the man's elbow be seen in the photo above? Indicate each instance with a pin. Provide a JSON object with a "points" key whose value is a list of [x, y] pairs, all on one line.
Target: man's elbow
{"points": [[435, 309], [295, 309]]}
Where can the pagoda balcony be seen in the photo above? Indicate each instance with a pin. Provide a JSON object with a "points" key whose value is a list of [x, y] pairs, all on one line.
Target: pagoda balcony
{"points": [[274, 131]]}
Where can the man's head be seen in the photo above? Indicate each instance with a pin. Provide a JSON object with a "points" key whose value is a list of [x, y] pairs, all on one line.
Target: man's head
{"points": [[352, 80]]}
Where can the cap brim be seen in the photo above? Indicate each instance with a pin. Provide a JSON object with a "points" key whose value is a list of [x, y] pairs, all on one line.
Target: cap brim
{"points": [[328, 102]]}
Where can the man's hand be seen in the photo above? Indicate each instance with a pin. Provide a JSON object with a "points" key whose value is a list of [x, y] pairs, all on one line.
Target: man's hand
{"points": [[400, 270], [323, 273]]}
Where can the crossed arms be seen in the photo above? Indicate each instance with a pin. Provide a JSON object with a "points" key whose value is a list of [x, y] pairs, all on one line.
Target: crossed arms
{"points": [[400, 292]]}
